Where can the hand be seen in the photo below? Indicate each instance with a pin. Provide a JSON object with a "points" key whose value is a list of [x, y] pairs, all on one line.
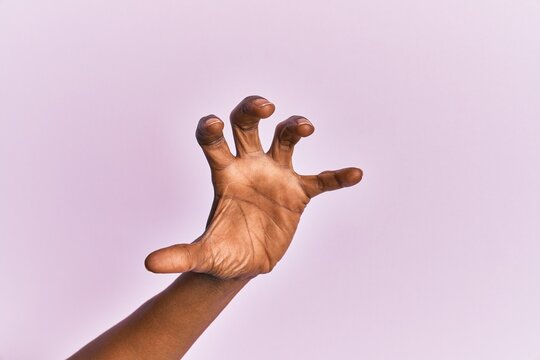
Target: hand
{"points": [[258, 197]]}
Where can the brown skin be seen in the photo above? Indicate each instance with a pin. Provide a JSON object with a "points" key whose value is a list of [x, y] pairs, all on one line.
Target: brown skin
{"points": [[258, 201]]}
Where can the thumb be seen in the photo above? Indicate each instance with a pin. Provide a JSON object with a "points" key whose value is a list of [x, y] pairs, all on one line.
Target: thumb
{"points": [[174, 259]]}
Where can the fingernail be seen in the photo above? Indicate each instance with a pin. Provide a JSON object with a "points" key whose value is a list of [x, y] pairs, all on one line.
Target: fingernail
{"points": [[305, 128], [262, 102], [212, 122], [303, 121]]}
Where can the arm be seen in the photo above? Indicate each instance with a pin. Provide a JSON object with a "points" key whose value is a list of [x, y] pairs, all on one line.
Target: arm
{"points": [[258, 201], [167, 325]]}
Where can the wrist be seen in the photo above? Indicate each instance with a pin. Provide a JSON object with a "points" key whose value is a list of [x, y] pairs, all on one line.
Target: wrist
{"points": [[210, 284], [224, 285]]}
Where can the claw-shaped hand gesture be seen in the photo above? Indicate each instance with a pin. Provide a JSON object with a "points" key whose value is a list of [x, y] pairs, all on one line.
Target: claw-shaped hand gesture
{"points": [[258, 197]]}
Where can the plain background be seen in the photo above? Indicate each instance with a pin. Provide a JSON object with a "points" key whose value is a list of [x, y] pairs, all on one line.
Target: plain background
{"points": [[435, 255]]}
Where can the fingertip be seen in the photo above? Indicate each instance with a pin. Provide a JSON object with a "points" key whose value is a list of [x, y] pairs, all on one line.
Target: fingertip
{"points": [[214, 126], [150, 263], [350, 176], [258, 101], [209, 129], [266, 110], [304, 127], [258, 106], [211, 123]]}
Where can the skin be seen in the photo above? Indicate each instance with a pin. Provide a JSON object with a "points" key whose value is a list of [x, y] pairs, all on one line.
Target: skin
{"points": [[258, 201]]}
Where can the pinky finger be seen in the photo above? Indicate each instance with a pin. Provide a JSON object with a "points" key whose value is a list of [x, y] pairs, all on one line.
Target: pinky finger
{"points": [[331, 180]]}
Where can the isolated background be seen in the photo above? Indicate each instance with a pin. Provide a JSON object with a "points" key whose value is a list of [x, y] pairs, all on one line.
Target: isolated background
{"points": [[435, 255]]}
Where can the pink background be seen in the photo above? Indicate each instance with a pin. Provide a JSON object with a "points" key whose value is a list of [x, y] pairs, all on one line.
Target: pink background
{"points": [[434, 256]]}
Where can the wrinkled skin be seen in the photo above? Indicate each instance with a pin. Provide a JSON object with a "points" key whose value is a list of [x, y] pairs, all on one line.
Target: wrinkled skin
{"points": [[258, 200]]}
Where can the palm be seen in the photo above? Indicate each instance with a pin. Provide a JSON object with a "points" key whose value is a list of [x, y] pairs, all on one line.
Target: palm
{"points": [[258, 197], [258, 206]]}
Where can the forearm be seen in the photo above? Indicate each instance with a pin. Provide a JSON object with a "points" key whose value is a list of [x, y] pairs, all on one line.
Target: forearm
{"points": [[167, 325]]}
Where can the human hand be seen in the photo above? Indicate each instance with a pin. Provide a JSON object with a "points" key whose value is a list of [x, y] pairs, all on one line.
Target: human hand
{"points": [[258, 197]]}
